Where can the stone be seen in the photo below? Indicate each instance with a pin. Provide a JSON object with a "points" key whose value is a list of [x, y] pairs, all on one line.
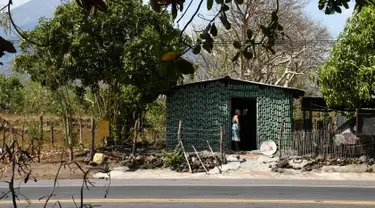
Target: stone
{"points": [[99, 158], [371, 161], [274, 169], [152, 158], [320, 157], [363, 159], [92, 163], [283, 164]]}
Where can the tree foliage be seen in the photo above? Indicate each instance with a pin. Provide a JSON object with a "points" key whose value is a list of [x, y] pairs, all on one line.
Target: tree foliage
{"points": [[11, 97], [272, 31], [121, 50], [349, 74]]}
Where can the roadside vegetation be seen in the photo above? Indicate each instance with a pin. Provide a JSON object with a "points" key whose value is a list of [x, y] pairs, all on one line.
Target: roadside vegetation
{"points": [[113, 61]]}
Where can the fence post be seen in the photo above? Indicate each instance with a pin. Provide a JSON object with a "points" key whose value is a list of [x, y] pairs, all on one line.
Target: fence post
{"points": [[356, 122], [40, 139], [280, 138], [135, 135], [52, 134], [23, 134], [92, 139], [4, 134], [80, 132]]}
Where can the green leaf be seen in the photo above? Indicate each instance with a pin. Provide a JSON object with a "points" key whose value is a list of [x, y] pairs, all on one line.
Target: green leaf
{"points": [[321, 4], [219, 1], [184, 66], [225, 22], [213, 30], [235, 58], [338, 9], [239, 2], [279, 27], [345, 4], [170, 36], [225, 7], [249, 34], [174, 11], [247, 54], [210, 3], [237, 44], [208, 46], [228, 1], [171, 71], [197, 49], [275, 17]]}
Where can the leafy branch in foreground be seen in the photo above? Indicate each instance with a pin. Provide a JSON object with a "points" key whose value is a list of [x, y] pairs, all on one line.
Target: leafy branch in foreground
{"points": [[21, 163], [271, 32]]}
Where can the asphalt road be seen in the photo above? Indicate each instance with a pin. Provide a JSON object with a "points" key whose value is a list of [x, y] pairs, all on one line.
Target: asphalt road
{"points": [[203, 193]]}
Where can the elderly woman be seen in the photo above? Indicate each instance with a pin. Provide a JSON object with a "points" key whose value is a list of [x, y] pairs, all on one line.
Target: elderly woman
{"points": [[236, 129]]}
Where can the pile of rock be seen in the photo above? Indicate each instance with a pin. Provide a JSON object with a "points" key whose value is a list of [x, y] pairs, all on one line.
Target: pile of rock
{"points": [[208, 160], [153, 161], [308, 164], [146, 161]]}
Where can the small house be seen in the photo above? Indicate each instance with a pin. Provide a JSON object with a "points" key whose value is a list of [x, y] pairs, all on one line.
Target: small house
{"points": [[206, 109]]}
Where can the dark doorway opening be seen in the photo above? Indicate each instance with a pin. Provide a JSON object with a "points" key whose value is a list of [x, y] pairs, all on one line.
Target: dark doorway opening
{"points": [[248, 122]]}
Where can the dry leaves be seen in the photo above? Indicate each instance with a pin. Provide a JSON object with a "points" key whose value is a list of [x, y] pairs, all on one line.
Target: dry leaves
{"points": [[6, 46], [93, 5]]}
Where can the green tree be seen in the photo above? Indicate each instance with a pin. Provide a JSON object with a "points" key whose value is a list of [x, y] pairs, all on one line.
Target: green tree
{"points": [[121, 53], [348, 77], [11, 97]]}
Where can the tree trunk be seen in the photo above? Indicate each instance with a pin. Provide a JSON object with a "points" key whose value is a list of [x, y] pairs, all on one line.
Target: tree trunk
{"points": [[69, 133]]}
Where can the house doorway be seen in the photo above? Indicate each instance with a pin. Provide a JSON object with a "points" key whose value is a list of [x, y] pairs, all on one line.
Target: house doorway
{"points": [[248, 122]]}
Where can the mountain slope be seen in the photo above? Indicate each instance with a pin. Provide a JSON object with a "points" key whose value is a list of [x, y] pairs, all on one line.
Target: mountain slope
{"points": [[26, 17]]}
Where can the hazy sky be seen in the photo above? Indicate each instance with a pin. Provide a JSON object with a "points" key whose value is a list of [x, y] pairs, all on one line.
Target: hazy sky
{"points": [[15, 2], [335, 23]]}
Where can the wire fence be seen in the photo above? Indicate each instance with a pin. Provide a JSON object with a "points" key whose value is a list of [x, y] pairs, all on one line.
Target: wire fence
{"points": [[52, 135], [327, 144]]}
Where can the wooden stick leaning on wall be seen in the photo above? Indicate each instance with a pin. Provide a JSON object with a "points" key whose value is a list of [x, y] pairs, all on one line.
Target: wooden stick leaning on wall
{"points": [[180, 143], [281, 138], [199, 158], [222, 145], [217, 162], [179, 136]]}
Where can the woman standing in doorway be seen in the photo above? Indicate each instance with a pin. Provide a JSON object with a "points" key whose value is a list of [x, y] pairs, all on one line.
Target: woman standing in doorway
{"points": [[236, 129]]}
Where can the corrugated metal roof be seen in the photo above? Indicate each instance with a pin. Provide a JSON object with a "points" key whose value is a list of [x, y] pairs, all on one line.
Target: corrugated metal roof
{"points": [[297, 92]]}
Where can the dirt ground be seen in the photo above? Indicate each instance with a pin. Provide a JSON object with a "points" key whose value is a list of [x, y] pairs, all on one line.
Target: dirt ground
{"points": [[49, 165], [52, 154]]}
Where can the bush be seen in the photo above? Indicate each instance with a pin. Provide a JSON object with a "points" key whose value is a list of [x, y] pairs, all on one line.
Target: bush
{"points": [[173, 158]]}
